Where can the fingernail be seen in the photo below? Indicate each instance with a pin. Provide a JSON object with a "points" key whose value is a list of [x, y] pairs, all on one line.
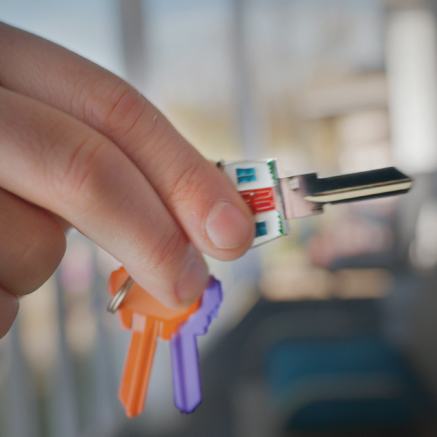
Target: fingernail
{"points": [[227, 227], [193, 280]]}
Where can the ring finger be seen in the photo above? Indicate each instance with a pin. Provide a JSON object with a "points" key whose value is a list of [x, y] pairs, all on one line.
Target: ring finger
{"points": [[32, 245]]}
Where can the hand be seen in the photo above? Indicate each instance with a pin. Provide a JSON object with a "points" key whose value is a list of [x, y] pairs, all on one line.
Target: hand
{"points": [[80, 146]]}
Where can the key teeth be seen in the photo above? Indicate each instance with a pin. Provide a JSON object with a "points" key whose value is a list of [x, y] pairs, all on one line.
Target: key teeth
{"points": [[210, 306], [184, 353]]}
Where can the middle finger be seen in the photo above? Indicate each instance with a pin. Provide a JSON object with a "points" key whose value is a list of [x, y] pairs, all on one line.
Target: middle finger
{"points": [[61, 164]]}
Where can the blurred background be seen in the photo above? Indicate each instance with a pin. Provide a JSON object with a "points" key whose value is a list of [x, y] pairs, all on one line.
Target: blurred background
{"points": [[330, 331]]}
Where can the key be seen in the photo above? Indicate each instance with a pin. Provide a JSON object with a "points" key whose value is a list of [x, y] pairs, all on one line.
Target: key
{"points": [[148, 319], [184, 353], [274, 200], [134, 383]]}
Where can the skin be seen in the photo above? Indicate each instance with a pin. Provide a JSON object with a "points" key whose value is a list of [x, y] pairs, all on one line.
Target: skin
{"points": [[80, 147]]}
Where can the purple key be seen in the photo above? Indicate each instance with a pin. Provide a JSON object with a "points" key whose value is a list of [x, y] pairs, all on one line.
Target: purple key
{"points": [[184, 354]]}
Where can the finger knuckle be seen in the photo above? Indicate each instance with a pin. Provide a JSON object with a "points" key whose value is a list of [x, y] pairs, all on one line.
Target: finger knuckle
{"points": [[76, 181], [188, 181], [121, 108], [117, 108], [168, 249]]}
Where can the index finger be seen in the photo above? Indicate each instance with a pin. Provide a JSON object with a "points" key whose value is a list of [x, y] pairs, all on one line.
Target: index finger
{"points": [[198, 195]]}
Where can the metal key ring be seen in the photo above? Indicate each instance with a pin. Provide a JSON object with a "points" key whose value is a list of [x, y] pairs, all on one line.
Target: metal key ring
{"points": [[120, 295]]}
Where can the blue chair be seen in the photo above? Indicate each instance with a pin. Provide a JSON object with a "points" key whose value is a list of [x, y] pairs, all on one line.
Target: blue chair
{"points": [[347, 385]]}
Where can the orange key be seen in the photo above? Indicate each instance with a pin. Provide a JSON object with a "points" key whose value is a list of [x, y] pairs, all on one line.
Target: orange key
{"points": [[148, 319]]}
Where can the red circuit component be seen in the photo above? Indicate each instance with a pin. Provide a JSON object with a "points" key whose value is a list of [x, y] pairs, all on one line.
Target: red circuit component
{"points": [[260, 200]]}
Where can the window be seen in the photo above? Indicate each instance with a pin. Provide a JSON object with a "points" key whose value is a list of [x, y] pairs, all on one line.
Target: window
{"points": [[261, 229], [246, 175]]}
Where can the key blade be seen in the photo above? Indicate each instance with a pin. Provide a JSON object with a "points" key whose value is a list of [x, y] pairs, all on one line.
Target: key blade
{"points": [[136, 374], [184, 353], [356, 186], [305, 195]]}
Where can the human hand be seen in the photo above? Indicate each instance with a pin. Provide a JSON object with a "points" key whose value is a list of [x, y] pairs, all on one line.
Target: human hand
{"points": [[80, 146]]}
